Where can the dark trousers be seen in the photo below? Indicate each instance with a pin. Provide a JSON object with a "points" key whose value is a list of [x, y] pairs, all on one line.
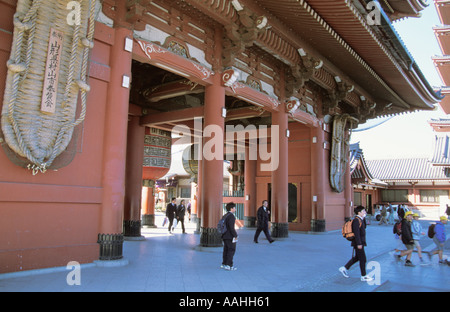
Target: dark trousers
{"points": [[170, 224], [266, 232], [229, 248], [182, 223], [359, 255]]}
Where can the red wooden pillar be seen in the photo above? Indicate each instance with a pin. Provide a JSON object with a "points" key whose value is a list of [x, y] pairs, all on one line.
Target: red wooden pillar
{"points": [[280, 194], [148, 204], [212, 173], [318, 180], [198, 218], [110, 237], [250, 203], [133, 179]]}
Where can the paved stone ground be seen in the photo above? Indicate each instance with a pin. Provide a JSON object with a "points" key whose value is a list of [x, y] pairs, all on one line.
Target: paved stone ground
{"points": [[300, 263]]}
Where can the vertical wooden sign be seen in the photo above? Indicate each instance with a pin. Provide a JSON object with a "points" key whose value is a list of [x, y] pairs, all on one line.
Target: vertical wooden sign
{"points": [[49, 92]]}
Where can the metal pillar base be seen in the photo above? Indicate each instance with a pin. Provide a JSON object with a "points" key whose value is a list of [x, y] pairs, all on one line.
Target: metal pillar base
{"points": [[280, 230], [318, 225], [249, 222], [111, 246], [148, 220], [209, 237]]}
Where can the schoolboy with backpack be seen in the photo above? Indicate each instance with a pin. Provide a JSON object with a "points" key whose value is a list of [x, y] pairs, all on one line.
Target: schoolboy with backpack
{"points": [[357, 236]]}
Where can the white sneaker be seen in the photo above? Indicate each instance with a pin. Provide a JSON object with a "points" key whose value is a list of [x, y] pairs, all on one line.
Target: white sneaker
{"points": [[366, 278], [228, 268], [344, 272]]}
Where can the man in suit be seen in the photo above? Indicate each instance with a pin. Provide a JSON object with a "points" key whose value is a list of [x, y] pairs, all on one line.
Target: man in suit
{"points": [[171, 211], [263, 222], [181, 211], [229, 238], [359, 229]]}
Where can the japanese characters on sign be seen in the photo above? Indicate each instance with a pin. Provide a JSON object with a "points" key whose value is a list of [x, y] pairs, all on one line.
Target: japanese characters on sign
{"points": [[49, 92]]}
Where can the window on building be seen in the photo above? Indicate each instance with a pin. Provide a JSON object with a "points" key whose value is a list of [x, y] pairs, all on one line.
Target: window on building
{"points": [[185, 192], [432, 196], [357, 198], [394, 195]]}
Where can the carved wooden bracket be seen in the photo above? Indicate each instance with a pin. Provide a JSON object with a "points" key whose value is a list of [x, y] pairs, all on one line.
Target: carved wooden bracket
{"points": [[365, 109], [336, 95], [239, 37], [302, 72]]}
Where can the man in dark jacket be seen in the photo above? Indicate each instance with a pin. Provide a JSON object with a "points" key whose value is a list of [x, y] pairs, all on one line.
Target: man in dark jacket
{"points": [[262, 216], [181, 211], [407, 237], [229, 238], [171, 211], [358, 243]]}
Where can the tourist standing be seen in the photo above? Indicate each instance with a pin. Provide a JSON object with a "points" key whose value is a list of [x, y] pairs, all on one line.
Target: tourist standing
{"points": [[229, 238]]}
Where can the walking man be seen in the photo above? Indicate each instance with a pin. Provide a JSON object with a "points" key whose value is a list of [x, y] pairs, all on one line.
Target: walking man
{"points": [[383, 215], [181, 211], [391, 214], [229, 238], [359, 229], [171, 211], [262, 217]]}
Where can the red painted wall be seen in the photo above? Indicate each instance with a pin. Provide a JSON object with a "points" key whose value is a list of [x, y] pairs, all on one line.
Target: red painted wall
{"points": [[52, 218]]}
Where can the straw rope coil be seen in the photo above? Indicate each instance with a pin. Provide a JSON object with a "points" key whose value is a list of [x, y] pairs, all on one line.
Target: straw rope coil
{"points": [[37, 136]]}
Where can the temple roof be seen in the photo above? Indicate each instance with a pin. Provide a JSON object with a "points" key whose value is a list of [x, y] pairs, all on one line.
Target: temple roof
{"points": [[441, 151], [396, 9], [407, 170], [442, 63], [359, 171], [380, 62]]}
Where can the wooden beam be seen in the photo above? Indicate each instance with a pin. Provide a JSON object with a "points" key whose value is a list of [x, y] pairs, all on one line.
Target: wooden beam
{"points": [[173, 116]]}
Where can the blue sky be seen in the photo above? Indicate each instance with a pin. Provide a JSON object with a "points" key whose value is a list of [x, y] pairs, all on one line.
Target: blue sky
{"points": [[408, 135]]}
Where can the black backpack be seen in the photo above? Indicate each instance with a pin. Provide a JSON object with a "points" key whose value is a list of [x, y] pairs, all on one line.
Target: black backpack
{"points": [[221, 226], [431, 230], [397, 229]]}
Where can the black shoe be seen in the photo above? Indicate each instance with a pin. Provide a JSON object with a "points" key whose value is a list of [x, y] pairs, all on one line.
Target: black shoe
{"points": [[271, 241], [256, 242]]}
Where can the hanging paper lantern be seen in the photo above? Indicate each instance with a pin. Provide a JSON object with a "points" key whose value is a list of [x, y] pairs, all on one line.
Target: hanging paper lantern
{"points": [[190, 164], [157, 153]]}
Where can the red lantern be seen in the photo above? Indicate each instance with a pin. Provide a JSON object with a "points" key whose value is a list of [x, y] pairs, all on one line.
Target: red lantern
{"points": [[157, 153]]}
